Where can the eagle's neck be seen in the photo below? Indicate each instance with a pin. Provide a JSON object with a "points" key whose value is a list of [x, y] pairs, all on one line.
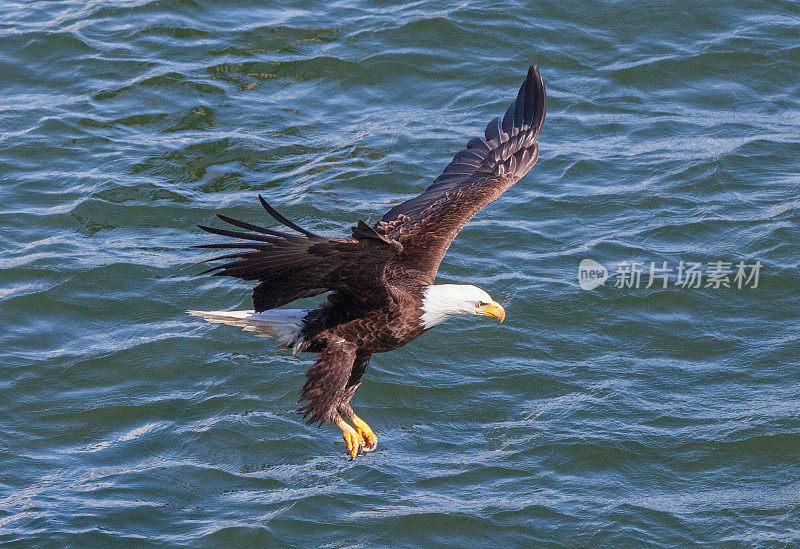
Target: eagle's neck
{"points": [[443, 301]]}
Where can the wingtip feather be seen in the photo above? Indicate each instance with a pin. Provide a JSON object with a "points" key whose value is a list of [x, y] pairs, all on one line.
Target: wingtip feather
{"points": [[280, 218]]}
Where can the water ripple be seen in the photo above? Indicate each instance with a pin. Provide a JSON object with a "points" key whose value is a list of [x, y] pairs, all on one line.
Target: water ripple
{"points": [[602, 418]]}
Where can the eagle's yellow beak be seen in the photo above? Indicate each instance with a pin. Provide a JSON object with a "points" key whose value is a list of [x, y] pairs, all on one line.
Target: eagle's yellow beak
{"points": [[493, 309]]}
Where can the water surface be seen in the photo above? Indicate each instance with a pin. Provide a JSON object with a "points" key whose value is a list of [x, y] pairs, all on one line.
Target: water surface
{"points": [[613, 417]]}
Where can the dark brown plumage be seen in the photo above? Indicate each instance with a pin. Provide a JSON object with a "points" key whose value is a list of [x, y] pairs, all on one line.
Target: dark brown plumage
{"points": [[379, 279]]}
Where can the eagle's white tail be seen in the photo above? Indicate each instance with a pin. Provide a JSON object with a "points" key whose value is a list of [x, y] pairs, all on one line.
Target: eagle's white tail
{"points": [[282, 324]]}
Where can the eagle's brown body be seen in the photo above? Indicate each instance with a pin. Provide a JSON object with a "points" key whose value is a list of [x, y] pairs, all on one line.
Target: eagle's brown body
{"points": [[378, 278], [375, 331]]}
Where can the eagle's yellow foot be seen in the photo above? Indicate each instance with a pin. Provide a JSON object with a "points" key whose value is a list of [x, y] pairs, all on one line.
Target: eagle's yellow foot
{"points": [[369, 438], [353, 441]]}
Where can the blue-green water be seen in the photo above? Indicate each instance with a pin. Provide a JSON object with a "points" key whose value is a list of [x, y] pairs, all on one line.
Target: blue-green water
{"points": [[614, 417]]}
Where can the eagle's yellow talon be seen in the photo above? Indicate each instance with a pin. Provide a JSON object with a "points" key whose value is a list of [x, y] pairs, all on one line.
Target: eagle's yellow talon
{"points": [[366, 434], [352, 439]]}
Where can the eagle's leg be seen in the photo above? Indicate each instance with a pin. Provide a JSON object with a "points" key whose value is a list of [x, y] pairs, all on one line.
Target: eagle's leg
{"points": [[353, 441], [366, 434], [356, 375]]}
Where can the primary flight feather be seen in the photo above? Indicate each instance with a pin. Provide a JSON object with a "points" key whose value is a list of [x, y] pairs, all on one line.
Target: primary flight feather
{"points": [[380, 280]]}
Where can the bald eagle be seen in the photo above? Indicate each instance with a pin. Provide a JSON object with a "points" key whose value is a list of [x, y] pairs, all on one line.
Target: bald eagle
{"points": [[380, 281]]}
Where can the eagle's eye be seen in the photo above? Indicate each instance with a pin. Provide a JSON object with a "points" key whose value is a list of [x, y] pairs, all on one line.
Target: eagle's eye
{"points": [[480, 304]]}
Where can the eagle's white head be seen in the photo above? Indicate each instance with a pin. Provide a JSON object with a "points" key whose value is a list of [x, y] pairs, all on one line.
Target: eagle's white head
{"points": [[442, 301]]}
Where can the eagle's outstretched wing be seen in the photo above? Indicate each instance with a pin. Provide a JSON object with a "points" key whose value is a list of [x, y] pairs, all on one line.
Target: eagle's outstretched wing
{"points": [[426, 225], [290, 267]]}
